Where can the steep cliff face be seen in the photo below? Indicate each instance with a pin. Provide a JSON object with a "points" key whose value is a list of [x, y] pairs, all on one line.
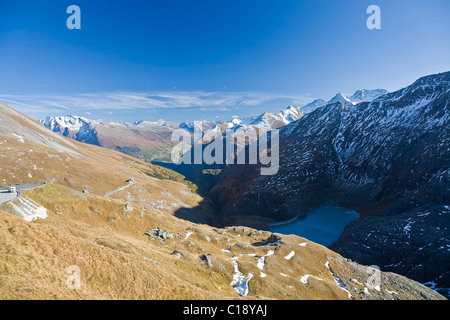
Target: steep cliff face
{"points": [[383, 158]]}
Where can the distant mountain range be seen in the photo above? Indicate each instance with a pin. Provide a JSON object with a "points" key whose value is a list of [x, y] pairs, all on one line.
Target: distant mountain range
{"points": [[143, 139], [149, 141]]}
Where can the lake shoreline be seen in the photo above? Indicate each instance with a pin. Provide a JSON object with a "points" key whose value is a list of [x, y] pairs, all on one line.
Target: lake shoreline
{"points": [[280, 223], [322, 225]]}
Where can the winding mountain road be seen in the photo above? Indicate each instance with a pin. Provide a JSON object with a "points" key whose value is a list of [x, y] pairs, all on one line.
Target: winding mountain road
{"points": [[6, 196]]}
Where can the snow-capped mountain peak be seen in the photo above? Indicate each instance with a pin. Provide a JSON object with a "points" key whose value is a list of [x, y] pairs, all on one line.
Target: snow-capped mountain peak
{"points": [[365, 95], [269, 120], [340, 97], [71, 123], [74, 127], [291, 114], [310, 107]]}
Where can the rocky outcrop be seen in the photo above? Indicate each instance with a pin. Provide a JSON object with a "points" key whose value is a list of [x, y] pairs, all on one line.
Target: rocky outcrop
{"points": [[159, 233], [273, 240]]}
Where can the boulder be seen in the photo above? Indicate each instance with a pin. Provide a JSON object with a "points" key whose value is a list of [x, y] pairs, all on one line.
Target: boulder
{"points": [[272, 240], [206, 258]]}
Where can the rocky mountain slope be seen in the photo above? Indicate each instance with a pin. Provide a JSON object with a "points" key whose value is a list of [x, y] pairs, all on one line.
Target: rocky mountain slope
{"points": [[111, 222], [386, 159]]}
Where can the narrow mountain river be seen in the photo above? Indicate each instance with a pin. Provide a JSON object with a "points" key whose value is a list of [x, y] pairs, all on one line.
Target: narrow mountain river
{"points": [[323, 225]]}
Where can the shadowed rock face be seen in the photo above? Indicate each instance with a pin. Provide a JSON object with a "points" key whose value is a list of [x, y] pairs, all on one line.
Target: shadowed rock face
{"points": [[386, 158], [415, 244], [272, 240]]}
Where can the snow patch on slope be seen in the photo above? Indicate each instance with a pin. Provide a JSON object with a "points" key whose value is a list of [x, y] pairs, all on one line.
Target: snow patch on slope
{"points": [[240, 282], [28, 210]]}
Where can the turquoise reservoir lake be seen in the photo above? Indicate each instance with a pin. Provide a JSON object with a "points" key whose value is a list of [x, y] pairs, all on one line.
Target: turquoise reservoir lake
{"points": [[323, 225]]}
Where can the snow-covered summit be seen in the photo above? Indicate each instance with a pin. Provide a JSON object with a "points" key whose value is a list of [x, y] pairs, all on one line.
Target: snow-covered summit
{"points": [[269, 120], [340, 97], [365, 95], [75, 127], [71, 123], [310, 107]]}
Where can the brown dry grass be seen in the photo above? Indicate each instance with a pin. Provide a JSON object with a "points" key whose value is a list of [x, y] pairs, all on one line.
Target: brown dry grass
{"points": [[112, 256], [34, 258]]}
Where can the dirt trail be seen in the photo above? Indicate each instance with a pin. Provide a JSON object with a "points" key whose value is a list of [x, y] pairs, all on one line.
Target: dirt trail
{"points": [[107, 194]]}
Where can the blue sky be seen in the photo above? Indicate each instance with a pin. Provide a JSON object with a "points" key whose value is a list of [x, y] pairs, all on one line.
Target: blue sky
{"points": [[193, 60]]}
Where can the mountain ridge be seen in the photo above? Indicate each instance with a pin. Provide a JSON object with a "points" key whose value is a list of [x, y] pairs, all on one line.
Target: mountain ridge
{"points": [[151, 138]]}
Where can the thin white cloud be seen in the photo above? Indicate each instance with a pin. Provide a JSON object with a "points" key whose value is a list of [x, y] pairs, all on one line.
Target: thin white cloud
{"points": [[110, 101]]}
